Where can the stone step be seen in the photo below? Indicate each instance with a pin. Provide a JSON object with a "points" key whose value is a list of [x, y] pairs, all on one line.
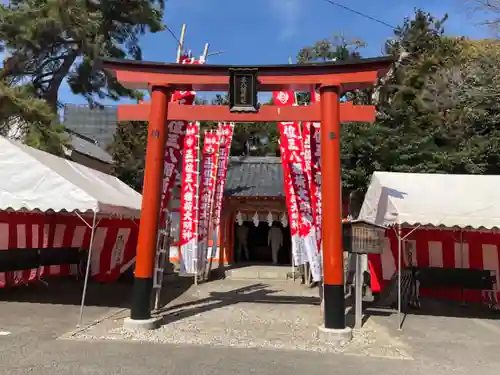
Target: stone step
{"points": [[259, 273]]}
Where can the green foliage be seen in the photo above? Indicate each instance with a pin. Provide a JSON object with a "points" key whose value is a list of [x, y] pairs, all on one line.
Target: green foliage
{"points": [[53, 40], [335, 49], [437, 108], [30, 118], [339, 48], [411, 133], [50, 41], [128, 150]]}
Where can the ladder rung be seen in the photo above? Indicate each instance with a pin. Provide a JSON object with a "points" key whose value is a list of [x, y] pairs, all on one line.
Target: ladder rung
{"points": [[159, 270]]}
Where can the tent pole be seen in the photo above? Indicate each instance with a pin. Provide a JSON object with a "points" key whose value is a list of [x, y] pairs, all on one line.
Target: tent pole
{"points": [[87, 270], [399, 277]]}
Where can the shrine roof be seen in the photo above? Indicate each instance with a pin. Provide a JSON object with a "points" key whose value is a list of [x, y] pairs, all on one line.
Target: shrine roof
{"points": [[254, 176]]}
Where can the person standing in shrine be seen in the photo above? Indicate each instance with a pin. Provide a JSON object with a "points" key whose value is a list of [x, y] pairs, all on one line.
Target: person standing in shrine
{"points": [[242, 237], [275, 240]]}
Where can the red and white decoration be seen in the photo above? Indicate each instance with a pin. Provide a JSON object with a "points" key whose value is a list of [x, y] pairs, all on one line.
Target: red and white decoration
{"points": [[113, 249], [292, 145], [437, 248], [287, 98], [284, 98], [176, 131], [306, 136], [315, 180], [189, 199], [206, 197], [225, 138], [56, 192], [447, 220], [299, 256]]}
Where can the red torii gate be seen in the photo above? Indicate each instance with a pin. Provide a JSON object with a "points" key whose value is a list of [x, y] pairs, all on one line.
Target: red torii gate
{"points": [[330, 78]]}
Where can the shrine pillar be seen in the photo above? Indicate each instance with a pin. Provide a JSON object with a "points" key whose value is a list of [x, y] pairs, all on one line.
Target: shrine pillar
{"points": [[151, 203], [331, 191]]}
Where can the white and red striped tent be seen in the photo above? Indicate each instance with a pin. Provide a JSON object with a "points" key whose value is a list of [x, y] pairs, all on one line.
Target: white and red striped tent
{"points": [[437, 200], [33, 180], [440, 220], [48, 201]]}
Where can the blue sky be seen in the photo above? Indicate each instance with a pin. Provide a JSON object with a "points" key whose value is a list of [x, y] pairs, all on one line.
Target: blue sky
{"points": [[269, 31]]}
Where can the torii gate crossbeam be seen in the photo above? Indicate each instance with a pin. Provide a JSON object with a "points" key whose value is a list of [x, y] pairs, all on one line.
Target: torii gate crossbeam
{"points": [[330, 78]]}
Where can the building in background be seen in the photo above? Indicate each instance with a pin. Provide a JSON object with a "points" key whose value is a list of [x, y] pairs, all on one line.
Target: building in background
{"points": [[81, 149], [98, 124], [86, 151]]}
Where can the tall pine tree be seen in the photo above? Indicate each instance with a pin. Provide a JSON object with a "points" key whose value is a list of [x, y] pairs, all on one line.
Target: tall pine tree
{"points": [[53, 40]]}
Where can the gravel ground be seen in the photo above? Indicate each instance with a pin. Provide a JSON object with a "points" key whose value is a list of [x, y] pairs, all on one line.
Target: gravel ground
{"points": [[248, 315]]}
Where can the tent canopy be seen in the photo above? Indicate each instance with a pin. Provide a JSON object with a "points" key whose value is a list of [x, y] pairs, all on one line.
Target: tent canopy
{"points": [[439, 200], [33, 180]]}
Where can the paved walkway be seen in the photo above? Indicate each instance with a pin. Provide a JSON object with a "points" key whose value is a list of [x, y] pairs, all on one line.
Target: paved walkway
{"points": [[454, 342], [246, 314], [268, 329]]}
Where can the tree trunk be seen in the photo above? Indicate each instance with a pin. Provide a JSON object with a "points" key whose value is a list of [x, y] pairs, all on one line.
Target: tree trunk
{"points": [[51, 95]]}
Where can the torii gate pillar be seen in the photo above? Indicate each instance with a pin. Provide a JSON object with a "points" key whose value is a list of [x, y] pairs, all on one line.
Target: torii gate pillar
{"points": [[331, 192], [331, 78], [151, 199]]}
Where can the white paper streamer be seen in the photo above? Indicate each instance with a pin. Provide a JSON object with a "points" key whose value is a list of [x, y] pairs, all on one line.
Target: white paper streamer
{"points": [[284, 220], [239, 218], [270, 219], [256, 220]]}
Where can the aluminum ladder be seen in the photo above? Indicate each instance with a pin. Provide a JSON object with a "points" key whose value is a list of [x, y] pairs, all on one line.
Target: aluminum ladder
{"points": [[162, 255]]}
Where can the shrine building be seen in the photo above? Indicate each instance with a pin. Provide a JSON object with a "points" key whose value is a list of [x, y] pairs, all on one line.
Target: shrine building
{"points": [[253, 190]]}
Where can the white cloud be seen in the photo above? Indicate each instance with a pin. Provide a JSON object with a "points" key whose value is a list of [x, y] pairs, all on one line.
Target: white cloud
{"points": [[288, 13]]}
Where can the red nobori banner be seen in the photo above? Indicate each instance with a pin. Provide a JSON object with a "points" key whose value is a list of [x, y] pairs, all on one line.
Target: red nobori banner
{"points": [[315, 142], [189, 199], [315, 180], [225, 138], [306, 136], [287, 98], [206, 196], [176, 131], [292, 143], [299, 257]]}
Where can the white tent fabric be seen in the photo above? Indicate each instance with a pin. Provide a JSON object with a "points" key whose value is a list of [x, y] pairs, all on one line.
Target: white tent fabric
{"points": [[33, 180], [439, 200]]}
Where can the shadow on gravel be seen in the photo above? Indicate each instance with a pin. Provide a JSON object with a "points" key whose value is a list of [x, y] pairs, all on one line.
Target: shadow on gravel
{"points": [[256, 293]]}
